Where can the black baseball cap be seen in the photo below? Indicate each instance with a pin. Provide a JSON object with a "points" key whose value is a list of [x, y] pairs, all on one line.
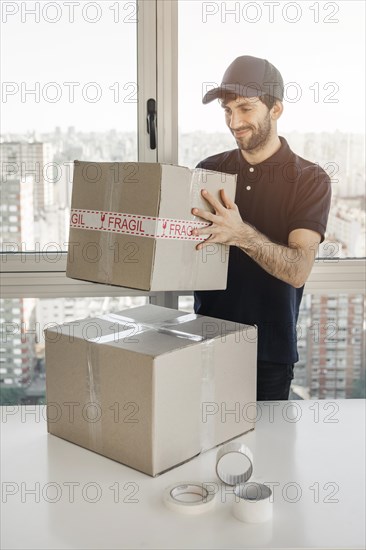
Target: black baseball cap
{"points": [[248, 76]]}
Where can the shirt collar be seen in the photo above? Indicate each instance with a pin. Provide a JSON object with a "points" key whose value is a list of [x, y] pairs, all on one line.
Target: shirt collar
{"points": [[281, 156]]}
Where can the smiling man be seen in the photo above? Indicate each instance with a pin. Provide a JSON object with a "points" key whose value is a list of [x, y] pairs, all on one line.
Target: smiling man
{"points": [[274, 227]]}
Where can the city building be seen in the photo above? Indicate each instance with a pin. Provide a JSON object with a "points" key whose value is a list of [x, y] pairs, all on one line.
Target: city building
{"points": [[30, 158], [346, 226], [335, 345], [17, 315], [331, 345]]}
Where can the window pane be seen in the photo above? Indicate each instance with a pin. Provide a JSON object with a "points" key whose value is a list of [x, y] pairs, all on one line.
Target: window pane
{"points": [[69, 76], [331, 345], [22, 364], [319, 48], [332, 360]]}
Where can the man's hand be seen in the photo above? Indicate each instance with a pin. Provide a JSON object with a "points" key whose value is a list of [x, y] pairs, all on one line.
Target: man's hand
{"points": [[227, 226], [291, 264]]}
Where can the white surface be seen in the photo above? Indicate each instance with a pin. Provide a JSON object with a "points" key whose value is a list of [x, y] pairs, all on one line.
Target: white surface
{"points": [[317, 460]]}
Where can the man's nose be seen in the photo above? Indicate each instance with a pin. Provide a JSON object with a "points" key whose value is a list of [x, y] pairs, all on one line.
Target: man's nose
{"points": [[236, 121]]}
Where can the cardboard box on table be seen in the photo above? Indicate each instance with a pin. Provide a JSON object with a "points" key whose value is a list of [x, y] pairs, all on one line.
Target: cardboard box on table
{"points": [[150, 387], [131, 226]]}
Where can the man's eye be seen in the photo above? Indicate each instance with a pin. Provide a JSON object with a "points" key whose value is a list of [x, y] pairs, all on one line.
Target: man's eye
{"points": [[246, 109]]}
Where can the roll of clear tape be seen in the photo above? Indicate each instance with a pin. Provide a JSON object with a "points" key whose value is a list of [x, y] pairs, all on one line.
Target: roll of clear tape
{"points": [[234, 466], [189, 497], [253, 502], [234, 463]]}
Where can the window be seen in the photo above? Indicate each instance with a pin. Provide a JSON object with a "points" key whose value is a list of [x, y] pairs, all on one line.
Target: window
{"points": [[74, 100], [318, 120], [69, 122], [318, 124]]}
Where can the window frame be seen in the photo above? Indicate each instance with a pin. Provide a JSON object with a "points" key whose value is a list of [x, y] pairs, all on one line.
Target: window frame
{"points": [[30, 276]]}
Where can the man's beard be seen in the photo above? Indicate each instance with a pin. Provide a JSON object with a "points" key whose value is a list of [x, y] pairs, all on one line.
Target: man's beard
{"points": [[258, 138]]}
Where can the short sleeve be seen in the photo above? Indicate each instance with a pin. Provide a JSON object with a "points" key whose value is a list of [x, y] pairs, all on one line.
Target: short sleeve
{"points": [[311, 206]]}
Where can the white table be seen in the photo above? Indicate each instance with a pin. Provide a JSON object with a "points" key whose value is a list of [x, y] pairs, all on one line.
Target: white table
{"points": [[316, 461]]}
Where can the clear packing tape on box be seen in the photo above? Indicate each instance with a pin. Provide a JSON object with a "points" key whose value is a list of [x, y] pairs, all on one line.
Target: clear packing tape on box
{"points": [[167, 327]]}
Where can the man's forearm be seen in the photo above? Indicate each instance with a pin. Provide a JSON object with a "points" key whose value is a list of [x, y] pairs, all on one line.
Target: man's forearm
{"points": [[288, 263]]}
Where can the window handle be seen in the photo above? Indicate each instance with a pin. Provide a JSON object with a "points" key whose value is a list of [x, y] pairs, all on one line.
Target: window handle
{"points": [[151, 122]]}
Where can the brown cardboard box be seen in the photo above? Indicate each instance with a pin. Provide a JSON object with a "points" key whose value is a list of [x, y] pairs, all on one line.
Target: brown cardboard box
{"points": [[154, 388], [131, 226]]}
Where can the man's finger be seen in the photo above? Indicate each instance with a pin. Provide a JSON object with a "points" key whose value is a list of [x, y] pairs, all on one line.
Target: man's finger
{"points": [[226, 199], [212, 200], [208, 230], [209, 240], [204, 214]]}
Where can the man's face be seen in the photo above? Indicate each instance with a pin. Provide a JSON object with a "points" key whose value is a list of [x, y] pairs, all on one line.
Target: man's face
{"points": [[249, 121]]}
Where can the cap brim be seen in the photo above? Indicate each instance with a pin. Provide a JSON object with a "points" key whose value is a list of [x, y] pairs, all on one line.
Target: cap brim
{"points": [[231, 91]]}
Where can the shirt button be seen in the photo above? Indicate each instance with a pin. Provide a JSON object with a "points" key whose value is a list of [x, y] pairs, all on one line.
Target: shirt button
{"points": [[248, 188], [251, 169]]}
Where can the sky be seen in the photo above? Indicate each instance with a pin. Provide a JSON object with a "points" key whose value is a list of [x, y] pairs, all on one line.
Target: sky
{"points": [[318, 47]]}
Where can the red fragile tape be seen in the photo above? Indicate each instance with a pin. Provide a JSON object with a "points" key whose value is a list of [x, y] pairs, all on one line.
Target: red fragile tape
{"points": [[134, 224]]}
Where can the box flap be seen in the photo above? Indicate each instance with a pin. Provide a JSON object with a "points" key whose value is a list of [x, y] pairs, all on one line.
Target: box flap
{"points": [[103, 255], [150, 330], [117, 186], [180, 192]]}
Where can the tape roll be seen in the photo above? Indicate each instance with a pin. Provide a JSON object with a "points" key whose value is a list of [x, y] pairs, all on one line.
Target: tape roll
{"points": [[234, 463], [253, 502], [189, 497]]}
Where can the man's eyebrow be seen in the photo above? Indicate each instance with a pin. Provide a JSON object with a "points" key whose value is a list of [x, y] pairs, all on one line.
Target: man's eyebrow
{"points": [[238, 103]]}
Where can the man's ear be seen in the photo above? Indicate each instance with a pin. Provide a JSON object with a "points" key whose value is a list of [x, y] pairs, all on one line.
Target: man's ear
{"points": [[277, 110]]}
